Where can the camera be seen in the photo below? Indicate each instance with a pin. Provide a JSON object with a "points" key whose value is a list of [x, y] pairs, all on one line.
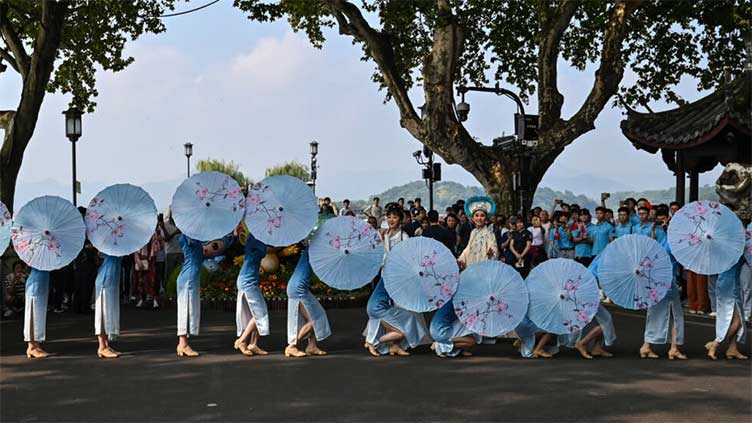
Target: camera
{"points": [[463, 110]]}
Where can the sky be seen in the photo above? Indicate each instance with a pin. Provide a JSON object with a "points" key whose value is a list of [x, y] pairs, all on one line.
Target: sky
{"points": [[257, 94]]}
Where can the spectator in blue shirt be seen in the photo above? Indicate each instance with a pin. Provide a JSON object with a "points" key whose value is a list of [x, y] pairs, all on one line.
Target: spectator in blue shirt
{"points": [[661, 223], [645, 227], [623, 225], [600, 232], [630, 204], [563, 238], [583, 241]]}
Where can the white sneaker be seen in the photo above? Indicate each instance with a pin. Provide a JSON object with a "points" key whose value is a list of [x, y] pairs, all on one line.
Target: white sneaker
{"points": [[713, 314], [140, 304], [155, 304], [8, 313]]}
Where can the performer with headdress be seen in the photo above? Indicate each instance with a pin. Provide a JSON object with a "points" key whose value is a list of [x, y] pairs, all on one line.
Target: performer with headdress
{"points": [[392, 329], [482, 244], [251, 315]]}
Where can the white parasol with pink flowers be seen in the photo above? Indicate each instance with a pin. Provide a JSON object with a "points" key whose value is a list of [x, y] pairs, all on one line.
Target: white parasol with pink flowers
{"points": [[706, 237], [48, 233], [208, 206]]}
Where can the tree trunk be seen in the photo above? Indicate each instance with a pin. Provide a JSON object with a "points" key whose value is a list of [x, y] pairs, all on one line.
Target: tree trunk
{"points": [[21, 127]]}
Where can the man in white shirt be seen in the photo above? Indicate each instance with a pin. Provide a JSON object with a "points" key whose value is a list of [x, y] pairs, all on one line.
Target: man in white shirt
{"points": [[374, 210], [345, 208]]}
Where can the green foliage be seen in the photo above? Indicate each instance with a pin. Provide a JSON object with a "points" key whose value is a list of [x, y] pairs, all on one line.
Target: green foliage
{"points": [[666, 40], [229, 168], [291, 168], [94, 36]]}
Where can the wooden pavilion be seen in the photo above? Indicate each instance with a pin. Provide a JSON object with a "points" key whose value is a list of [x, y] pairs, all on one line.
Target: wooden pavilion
{"points": [[695, 137]]}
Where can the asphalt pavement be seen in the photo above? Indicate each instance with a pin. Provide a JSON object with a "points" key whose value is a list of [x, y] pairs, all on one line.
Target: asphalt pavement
{"points": [[150, 383]]}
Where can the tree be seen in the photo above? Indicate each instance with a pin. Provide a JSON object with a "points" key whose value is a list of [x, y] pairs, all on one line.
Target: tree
{"points": [[70, 39], [229, 168], [438, 44], [291, 168]]}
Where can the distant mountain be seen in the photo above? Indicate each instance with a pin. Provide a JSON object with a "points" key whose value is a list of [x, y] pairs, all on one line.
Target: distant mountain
{"points": [[446, 193], [706, 192]]}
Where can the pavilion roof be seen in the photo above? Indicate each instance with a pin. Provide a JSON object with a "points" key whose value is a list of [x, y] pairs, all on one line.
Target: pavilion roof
{"points": [[693, 124]]}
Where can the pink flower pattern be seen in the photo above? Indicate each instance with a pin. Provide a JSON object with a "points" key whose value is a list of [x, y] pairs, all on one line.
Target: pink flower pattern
{"points": [[275, 214], [440, 287], [96, 220], [582, 310], [476, 318], [651, 287], [359, 232], [228, 189], [29, 243], [698, 215]]}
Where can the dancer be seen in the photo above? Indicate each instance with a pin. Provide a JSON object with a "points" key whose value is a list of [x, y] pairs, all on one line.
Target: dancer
{"points": [[665, 315], [600, 332], [189, 301], [391, 329], [729, 325], [306, 318], [35, 314], [482, 244], [107, 306], [533, 342], [451, 337], [251, 315]]}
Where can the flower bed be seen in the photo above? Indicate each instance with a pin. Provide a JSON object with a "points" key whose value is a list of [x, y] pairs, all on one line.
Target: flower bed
{"points": [[219, 289]]}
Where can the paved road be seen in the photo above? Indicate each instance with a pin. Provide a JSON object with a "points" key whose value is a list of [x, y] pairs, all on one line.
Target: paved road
{"points": [[151, 383]]}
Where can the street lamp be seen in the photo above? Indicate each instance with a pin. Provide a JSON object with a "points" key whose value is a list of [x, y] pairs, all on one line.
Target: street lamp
{"points": [[516, 146], [73, 132], [431, 171], [314, 164], [188, 153]]}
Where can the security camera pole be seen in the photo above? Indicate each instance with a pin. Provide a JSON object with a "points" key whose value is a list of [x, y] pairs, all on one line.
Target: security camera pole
{"points": [[431, 171], [526, 135]]}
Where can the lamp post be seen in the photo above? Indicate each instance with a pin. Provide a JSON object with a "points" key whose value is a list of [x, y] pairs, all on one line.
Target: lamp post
{"points": [[431, 171], [73, 132], [314, 164], [518, 145], [188, 153]]}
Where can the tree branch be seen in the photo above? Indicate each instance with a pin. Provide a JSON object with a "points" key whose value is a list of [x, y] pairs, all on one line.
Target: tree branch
{"points": [[609, 74], [550, 100], [5, 55], [14, 43], [351, 22]]}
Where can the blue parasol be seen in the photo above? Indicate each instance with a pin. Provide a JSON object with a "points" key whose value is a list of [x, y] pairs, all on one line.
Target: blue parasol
{"points": [[120, 219], [346, 253], [208, 206], [635, 272], [282, 210], [48, 233], [563, 296], [5, 224], [420, 274], [491, 299], [706, 237], [748, 244]]}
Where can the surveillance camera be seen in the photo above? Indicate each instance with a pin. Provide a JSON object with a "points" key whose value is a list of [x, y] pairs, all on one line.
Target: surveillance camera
{"points": [[417, 154], [463, 110]]}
